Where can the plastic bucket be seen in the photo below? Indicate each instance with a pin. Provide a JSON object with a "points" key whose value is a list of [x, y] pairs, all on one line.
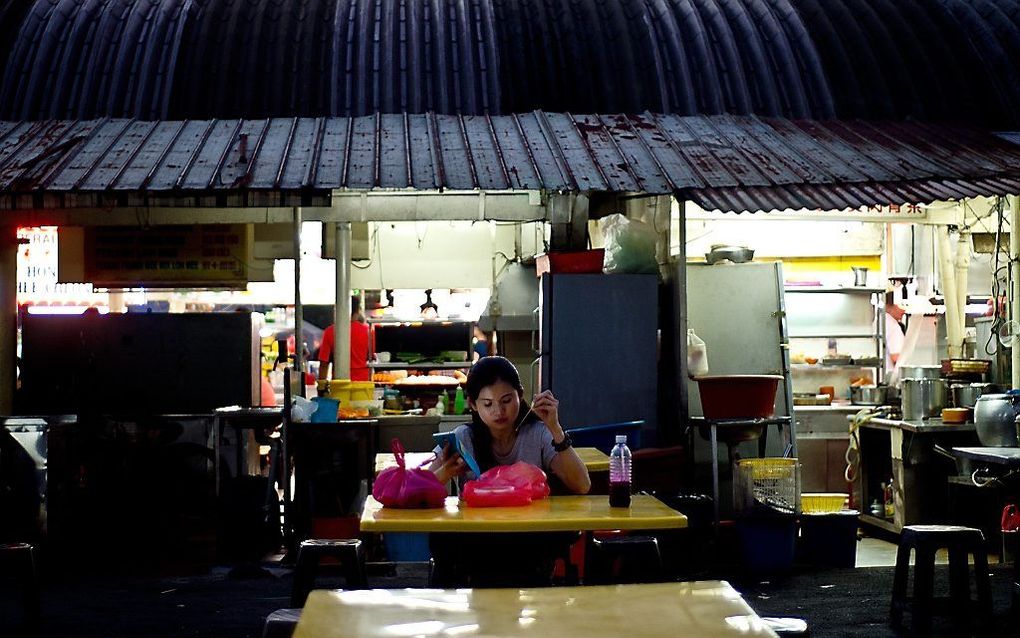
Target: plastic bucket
{"points": [[326, 410], [346, 391], [767, 543], [829, 539]]}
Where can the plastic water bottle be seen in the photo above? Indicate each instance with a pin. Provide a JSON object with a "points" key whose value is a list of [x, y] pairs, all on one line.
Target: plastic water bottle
{"points": [[619, 473]]}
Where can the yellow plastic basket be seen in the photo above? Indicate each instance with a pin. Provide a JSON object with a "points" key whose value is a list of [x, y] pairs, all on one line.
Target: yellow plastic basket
{"points": [[769, 485], [768, 468], [822, 502]]}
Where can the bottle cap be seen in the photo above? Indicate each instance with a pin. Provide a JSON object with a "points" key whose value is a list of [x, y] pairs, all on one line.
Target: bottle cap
{"points": [[621, 438]]}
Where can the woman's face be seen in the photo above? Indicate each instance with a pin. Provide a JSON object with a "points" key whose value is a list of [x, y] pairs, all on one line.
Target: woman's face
{"points": [[498, 405]]}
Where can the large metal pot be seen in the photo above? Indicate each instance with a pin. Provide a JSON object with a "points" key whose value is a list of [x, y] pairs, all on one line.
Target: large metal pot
{"points": [[995, 418], [923, 398], [965, 395], [920, 372], [868, 394]]}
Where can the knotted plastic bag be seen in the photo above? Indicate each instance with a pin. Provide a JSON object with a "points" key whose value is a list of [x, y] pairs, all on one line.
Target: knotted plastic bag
{"points": [[507, 486], [630, 246], [414, 488]]}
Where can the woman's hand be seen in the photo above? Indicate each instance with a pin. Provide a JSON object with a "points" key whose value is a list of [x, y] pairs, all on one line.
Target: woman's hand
{"points": [[547, 407], [451, 465]]}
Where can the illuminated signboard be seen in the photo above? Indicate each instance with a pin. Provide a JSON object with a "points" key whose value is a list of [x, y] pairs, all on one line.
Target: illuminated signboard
{"points": [[37, 271]]}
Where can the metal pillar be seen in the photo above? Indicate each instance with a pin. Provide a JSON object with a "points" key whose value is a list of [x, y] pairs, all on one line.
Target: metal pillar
{"points": [[342, 309], [8, 316], [299, 312], [1014, 297]]}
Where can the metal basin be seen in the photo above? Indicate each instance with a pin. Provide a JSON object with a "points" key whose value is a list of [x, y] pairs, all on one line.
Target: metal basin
{"points": [[868, 394]]}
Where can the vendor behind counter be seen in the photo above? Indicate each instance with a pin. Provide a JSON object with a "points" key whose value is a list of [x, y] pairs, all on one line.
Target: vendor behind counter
{"points": [[362, 346]]}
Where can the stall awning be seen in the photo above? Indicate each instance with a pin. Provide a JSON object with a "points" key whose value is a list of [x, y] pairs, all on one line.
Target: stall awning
{"points": [[721, 162]]}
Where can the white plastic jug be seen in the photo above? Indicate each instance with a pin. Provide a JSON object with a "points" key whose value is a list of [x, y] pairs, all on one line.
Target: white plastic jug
{"points": [[697, 355]]}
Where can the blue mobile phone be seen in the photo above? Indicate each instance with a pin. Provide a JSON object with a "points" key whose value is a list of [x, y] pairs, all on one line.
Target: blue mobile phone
{"points": [[442, 438]]}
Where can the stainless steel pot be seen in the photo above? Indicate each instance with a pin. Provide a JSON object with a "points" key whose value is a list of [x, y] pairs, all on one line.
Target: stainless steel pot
{"points": [[923, 398], [965, 395], [920, 372], [995, 418], [868, 394]]}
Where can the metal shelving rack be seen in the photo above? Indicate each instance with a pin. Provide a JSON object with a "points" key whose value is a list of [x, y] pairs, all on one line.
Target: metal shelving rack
{"points": [[877, 332]]}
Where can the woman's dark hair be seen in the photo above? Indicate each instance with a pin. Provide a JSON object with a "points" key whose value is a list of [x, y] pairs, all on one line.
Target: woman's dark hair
{"points": [[485, 372]]}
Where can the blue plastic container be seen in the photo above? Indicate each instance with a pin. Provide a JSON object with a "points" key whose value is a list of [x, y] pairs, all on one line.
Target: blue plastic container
{"points": [[326, 410], [407, 546], [767, 543], [830, 539]]}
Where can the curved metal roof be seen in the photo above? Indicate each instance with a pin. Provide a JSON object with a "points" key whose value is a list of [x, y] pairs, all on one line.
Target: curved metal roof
{"points": [[200, 59], [732, 163]]}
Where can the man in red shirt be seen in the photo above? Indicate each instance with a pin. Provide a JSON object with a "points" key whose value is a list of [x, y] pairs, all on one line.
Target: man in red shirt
{"points": [[361, 346]]}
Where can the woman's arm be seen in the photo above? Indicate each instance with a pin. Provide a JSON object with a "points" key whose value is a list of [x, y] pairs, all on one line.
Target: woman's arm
{"points": [[447, 465], [566, 464]]}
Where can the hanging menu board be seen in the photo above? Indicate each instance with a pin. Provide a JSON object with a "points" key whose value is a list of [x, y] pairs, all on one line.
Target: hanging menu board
{"points": [[199, 255]]}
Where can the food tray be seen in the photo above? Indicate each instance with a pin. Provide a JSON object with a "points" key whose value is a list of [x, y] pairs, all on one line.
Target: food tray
{"points": [[811, 399], [867, 361], [965, 367], [836, 361]]}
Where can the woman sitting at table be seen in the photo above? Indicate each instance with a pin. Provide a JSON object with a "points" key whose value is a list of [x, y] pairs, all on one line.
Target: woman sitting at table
{"points": [[503, 430]]}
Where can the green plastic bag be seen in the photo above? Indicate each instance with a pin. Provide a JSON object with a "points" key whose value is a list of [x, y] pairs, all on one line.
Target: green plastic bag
{"points": [[630, 246]]}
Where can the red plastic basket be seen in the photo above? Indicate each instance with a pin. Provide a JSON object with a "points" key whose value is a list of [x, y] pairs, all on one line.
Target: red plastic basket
{"points": [[570, 261], [738, 396]]}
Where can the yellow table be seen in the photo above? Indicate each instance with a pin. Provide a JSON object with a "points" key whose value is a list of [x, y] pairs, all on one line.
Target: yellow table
{"points": [[384, 460], [553, 514], [594, 459], [667, 610]]}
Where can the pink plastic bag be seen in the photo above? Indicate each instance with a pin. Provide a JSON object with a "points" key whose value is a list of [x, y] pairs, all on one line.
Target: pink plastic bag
{"points": [[414, 488], [507, 486]]}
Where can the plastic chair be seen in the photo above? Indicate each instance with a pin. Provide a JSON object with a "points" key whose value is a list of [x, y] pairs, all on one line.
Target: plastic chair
{"points": [[925, 540], [603, 437], [638, 557], [347, 550], [281, 623], [19, 560]]}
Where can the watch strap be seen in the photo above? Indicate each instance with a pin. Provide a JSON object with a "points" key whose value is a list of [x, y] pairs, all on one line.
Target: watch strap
{"points": [[564, 444]]}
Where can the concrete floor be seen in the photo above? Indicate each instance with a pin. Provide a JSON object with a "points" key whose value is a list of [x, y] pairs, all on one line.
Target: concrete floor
{"points": [[877, 552]]}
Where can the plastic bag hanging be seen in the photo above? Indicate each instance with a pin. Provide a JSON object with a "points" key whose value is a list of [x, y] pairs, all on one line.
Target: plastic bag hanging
{"points": [[630, 246], [697, 355]]}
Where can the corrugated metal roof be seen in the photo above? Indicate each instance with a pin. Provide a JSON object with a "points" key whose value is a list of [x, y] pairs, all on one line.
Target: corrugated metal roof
{"points": [[732, 163]]}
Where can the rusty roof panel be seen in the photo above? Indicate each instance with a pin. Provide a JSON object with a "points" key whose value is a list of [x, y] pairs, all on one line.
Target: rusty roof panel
{"points": [[575, 152], [119, 155], [392, 152], [486, 155], [547, 158], [454, 152], [725, 162], [89, 155], [522, 173], [422, 155], [334, 140], [175, 161]]}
